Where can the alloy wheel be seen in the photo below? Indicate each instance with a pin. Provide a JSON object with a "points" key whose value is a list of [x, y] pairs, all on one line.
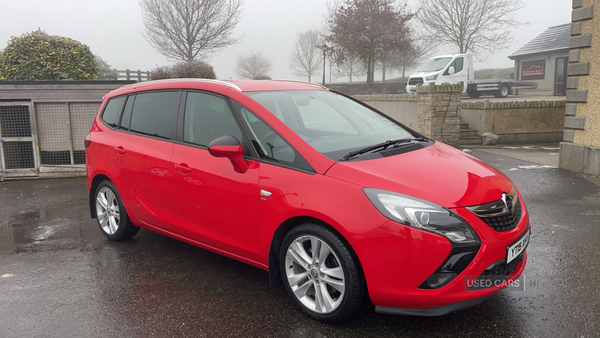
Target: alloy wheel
{"points": [[315, 274], [107, 210]]}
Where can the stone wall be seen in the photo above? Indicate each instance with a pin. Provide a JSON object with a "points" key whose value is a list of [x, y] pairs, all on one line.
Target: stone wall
{"points": [[401, 107], [516, 121], [580, 149], [438, 110], [369, 88]]}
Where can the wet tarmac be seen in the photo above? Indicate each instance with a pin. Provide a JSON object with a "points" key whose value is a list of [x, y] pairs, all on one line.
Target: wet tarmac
{"points": [[60, 277]]}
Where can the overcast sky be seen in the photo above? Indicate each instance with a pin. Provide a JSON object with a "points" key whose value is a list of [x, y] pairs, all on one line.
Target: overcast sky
{"points": [[113, 29]]}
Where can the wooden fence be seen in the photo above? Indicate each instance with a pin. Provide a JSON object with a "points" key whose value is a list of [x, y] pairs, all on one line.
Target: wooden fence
{"points": [[133, 75]]}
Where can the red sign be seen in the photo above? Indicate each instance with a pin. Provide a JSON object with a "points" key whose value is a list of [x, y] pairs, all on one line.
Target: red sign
{"points": [[533, 70]]}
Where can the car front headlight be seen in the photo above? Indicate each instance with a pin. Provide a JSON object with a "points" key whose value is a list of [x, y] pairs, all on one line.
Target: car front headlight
{"points": [[431, 77], [422, 215]]}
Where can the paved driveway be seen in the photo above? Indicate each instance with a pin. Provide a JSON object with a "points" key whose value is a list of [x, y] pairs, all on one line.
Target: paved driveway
{"points": [[60, 277]]}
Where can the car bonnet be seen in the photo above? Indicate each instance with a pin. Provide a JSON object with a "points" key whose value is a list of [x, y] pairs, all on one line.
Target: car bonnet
{"points": [[439, 174]]}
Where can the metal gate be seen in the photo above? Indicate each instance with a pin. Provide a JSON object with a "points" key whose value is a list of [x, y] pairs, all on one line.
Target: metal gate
{"points": [[18, 148]]}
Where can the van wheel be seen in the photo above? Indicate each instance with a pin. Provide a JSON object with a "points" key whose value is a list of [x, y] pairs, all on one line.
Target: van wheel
{"points": [[474, 95], [320, 273], [503, 91], [111, 214]]}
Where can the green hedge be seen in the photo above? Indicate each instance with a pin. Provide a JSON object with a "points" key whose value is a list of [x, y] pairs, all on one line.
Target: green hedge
{"points": [[35, 56]]}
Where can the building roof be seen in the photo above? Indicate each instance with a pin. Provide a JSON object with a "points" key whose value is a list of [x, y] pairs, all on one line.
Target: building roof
{"points": [[552, 39]]}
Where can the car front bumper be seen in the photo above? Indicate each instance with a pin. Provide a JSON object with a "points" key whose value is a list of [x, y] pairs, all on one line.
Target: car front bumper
{"points": [[397, 259]]}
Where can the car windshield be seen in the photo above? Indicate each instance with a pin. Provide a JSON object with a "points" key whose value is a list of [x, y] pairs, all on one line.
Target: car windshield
{"points": [[435, 64], [331, 123]]}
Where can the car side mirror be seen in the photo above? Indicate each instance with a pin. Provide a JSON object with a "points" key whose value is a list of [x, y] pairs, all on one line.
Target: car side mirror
{"points": [[229, 147], [451, 70]]}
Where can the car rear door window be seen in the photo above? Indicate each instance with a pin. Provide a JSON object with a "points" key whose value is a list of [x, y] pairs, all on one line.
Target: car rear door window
{"points": [[126, 119], [153, 113]]}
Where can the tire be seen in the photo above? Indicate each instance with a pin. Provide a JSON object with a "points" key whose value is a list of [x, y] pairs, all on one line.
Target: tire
{"points": [[329, 286], [111, 214], [474, 95], [503, 91]]}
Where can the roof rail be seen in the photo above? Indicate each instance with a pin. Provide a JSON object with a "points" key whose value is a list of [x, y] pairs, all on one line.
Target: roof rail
{"points": [[188, 79], [304, 82]]}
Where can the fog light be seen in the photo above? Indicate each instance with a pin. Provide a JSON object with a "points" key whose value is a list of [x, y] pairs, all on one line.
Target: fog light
{"points": [[437, 280], [457, 261]]}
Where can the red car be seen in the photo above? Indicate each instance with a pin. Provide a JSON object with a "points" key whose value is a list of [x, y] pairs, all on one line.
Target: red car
{"points": [[336, 200]]}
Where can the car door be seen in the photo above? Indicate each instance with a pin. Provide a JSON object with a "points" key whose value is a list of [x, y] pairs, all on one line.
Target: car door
{"points": [[214, 204], [141, 154], [284, 175]]}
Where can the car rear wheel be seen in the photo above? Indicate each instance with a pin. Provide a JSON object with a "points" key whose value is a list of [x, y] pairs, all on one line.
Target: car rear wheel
{"points": [[111, 215], [320, 273]]}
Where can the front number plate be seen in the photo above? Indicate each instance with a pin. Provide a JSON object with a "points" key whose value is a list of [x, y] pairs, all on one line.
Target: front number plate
{"points": [[514, 250]]}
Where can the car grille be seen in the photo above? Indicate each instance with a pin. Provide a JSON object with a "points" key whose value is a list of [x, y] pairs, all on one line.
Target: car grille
{"points": [[415, 80], [496, 273], [504, 222], [501, 215]]}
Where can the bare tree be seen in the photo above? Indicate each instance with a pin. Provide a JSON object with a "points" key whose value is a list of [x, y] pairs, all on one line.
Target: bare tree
{"points": [[306, 57], [351, 66], [411, 57], [253, 66], [369, 29], [479, 27], [190, 29]]}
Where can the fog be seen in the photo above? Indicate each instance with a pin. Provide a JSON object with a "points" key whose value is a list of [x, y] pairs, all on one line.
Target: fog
{"points": [[113, 30]]}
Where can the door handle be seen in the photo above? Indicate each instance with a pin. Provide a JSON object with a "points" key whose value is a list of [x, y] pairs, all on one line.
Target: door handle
{"points": [[120, 150], [183, 168]]}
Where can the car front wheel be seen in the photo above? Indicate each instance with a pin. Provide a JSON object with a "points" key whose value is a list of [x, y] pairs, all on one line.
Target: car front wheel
{"points": [[320, 273]]}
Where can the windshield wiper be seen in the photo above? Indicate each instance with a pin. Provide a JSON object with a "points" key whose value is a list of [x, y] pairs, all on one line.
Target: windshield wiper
{"points": [[382, 146]]}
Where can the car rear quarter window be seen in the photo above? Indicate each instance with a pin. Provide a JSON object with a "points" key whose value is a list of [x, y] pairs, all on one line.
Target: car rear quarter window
{"points": [[112, 111], [153, 113]]}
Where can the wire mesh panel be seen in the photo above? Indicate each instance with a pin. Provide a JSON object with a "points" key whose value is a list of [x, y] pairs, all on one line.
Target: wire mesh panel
{"points": [[14, 121], [15, 125], [53, 133], [18, 155], [82, 117]]}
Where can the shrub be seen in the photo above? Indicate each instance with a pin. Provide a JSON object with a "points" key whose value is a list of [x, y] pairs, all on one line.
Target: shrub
{"points": [[261, 77], [39, 56], [184, 69], [193, 69], [160, 73], [105, 72]]}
